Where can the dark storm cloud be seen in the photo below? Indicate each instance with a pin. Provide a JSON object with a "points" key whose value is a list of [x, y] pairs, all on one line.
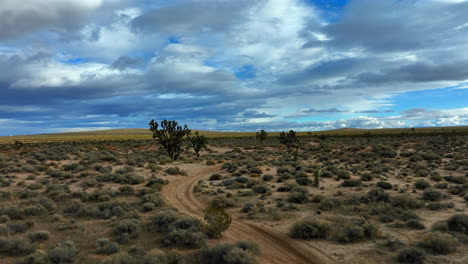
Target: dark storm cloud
{"points": [[330, 110], [367, 112], [18, 18], [398, 25], [192, 17], [419, 72], [124, 62], [340, 68]]}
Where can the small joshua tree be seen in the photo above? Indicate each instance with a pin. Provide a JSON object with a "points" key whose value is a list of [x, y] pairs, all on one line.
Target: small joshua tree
{"points": [[289, 140], [170, 136], [316, 178], [198, 143], [262, 135]]}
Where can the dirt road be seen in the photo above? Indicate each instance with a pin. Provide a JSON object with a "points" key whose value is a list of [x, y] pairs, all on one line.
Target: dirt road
{"points": [[276, 247]]}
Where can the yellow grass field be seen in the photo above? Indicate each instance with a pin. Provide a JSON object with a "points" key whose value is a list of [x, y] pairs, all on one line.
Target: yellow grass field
{"points": [[141, 133]]}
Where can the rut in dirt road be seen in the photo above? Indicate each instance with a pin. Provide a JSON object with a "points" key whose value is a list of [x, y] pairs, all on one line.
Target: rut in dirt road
{"points": [[276, 247]]}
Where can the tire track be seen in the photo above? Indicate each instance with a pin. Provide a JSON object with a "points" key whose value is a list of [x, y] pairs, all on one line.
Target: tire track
{"points": [[276, 247]]}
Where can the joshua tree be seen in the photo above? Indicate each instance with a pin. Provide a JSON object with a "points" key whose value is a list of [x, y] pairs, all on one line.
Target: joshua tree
{"points": [[262, 135], [170, 136], [289, 140], [198, 143], [316, 178]]}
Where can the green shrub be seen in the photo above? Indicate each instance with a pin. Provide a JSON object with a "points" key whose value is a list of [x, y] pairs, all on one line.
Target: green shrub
{"points": [[40, 235], [38, 257], [384, 185], [421, 184], [350, 231], [458, 223], [304, 181], [63, 253], [184, 238], [411, 255], [127, 230], [226, 253], [121, 258], [215, 177], [217, 220], [175, 171], [439, 243], [164, 258], [431, 195], [16, 246], [106, 247], [351, 183], [162, 221], [261, 188], [309, 229]]}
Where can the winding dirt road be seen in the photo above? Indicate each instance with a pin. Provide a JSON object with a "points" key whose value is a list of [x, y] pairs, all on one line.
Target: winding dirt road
{"points": [[276, 247]]}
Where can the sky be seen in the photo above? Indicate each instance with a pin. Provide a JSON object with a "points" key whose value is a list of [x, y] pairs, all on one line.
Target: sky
{"points": [[242, 65]]}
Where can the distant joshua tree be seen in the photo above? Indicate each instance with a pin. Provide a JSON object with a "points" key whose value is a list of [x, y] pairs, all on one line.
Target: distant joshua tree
{"points": [[262, 135], [198, 143], [290, 141], [170, 136]]}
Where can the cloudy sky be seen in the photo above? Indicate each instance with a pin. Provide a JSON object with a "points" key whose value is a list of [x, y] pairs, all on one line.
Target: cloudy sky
{"points": [[72, 65]]}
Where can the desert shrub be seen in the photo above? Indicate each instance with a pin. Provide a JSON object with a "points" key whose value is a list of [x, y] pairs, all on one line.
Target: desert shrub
{"points": [[348, 231], [267, 177], [40, 235], [121, 258], [431, 195], [126, 190], [230, 167], [164, 258], [106, 247], [16, 246], [328, 204], [63, 253], [366, 177], [255, 170], [226, 253], [153, 198], [351, 183], [439, 243], [285, 188], [458, 223], [392, 243], [162, 221], [220, 202], [405, 202], [439, 206], [260, 188], [298, 197], [411, 255], [184, 238], [384, 185], [303, 181], [309, 229], [415, 224], [17, 227], [38, 257], [215, 177], [126, 230], [217, 220], [421, 184]]}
